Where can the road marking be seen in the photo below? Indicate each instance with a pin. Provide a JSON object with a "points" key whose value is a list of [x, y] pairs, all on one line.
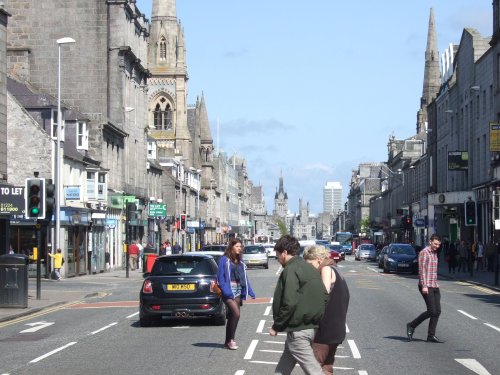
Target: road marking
{"points": [[492, 326], [268, 310], [362, 372], [354, 349], [36, 326], [239, 372], [467, 315], [260, 327], [103, 328], [53, 352], [274, 342], [343, 368], [473, 365], [347, 328], [37, 314], [132, 315], [264, 362], [276, 351], [104, 305], [251, 349]]}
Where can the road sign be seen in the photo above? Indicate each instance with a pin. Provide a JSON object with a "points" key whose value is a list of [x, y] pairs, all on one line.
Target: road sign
{"points": [[157, 209]]}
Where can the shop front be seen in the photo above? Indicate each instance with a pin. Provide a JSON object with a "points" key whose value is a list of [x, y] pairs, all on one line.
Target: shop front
{"points": [[75, 227]]}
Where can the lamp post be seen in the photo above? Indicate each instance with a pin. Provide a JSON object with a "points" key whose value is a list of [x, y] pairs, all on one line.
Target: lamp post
{"points": [[58, 178]]}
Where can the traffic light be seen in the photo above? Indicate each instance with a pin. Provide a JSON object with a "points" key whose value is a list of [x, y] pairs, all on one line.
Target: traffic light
{"points": [[470, 213], [34, 198], [183, 221], [50, 200], [408, 222]]}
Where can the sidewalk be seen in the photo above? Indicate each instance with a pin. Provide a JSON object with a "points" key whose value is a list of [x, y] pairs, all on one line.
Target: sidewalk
{"points": [[483, 278], [55, 293]]}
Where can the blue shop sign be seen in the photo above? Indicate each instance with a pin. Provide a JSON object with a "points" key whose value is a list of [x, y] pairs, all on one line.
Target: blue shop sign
{"points": [[420, 222], [72, 192]]}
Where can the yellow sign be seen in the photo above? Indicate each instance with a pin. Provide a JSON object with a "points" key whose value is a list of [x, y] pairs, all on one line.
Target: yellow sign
{"points": [[494, 137]]}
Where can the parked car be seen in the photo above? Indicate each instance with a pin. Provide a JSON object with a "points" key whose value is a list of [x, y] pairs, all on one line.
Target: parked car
{"points": [[400, 257], [214, 248], [381, 256], [337, 249], [255, 256], [365, 251], [271, 253], [181, 286]]}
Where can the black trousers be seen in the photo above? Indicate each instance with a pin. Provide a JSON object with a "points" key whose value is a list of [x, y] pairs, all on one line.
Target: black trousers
{"points": [[433, 303]]}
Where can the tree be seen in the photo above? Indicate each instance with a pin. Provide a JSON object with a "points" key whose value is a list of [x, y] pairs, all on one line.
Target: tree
{"points": [[365, 226], [282, 226]]}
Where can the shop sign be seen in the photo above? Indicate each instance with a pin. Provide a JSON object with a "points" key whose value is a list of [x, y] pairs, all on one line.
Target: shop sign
{"points": [[72, 193], [458, 160], [11, 200], [157, 210]]}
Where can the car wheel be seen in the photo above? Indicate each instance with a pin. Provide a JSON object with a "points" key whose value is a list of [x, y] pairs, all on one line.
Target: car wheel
{"points": [[220, 319], [386, 270], [145, 322], [266, 266]]}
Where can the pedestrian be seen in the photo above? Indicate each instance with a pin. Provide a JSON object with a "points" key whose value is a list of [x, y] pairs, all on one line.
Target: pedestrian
{"points": [[140, 256], [163, 249], [332, 328], [133, 253], [429, 289], [480, 256], [11, 249], [58, 262], [168, 247], [451, 258], [490, 255], [298, 306], [235, 286], [176, 249], [463, 254]]}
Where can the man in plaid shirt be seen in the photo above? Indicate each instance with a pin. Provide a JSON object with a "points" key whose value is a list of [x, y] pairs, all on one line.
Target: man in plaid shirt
{"points": [[429, 289]]}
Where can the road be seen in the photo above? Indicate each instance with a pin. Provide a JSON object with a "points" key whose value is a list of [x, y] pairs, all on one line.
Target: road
{"points": [[102, 335]]}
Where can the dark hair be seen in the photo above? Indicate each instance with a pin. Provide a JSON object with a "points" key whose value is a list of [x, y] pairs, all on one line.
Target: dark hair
{"points": [[435, 237], [235, 258], [288, 243]]}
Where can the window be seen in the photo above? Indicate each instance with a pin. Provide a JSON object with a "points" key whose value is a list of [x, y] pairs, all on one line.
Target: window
{"points": [[81, 136], [151, 150], [101, 186], [163, 49], [163, 115], [54, 124], [91, 190]]}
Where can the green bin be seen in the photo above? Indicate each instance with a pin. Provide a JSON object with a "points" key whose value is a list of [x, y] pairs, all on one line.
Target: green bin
{"points": [[13, 280]]}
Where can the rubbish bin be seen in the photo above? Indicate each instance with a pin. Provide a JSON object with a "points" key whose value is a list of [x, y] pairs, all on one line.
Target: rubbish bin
{"points": [[150, 260], [13, 280], [148, 250]]}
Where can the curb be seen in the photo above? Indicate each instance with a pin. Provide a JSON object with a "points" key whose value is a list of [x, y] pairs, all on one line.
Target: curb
{"points": [[495, 288]]}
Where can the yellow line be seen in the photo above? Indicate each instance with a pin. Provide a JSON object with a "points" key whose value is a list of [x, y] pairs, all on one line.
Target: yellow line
{"points": [[37, 314]]}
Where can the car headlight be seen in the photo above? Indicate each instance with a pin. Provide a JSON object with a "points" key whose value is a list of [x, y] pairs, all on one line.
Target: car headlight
{"points": [[390, 260], [415, 260]]}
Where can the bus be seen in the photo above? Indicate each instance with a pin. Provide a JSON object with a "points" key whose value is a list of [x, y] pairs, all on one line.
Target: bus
{"points": [[262, 239], [344, 239]]}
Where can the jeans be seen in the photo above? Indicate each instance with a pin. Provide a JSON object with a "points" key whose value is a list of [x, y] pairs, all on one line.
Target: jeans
{"points": [[298, 349], [433, 303]]}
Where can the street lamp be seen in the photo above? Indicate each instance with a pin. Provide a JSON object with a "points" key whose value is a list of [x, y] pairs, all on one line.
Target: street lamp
{"points": [[58, 178]]}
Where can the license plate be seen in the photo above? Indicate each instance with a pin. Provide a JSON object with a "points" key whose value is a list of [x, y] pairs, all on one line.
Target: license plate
{"points": [[254, 261], [180, 287], [403, 265]]}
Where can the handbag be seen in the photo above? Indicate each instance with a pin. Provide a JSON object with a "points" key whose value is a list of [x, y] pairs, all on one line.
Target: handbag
{"points": [[215, 288]]}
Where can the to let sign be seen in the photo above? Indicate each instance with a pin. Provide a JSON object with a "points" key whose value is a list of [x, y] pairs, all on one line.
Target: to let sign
{"points": [[11, 200], [157, 209]]}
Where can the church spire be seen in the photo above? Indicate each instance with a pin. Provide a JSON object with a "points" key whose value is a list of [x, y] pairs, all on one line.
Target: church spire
{"points": [[432, 80]]}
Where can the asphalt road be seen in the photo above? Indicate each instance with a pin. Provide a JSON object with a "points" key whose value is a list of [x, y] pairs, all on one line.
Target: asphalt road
{"points": [[102, 335]]}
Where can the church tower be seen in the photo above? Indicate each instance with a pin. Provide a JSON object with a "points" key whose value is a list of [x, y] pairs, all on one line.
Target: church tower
{"points": [[280, 201], [432, 79], [167, 86]]}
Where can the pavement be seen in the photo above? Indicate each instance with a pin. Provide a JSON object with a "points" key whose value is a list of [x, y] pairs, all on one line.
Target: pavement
{"points": [[55, 293], [67, 291]]}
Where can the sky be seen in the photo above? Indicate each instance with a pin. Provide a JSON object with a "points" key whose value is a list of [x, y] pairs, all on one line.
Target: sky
{"points": [[309, 90]]}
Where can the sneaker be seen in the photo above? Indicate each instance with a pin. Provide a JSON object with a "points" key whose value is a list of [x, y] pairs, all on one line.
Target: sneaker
{"points": [[231, 345]]}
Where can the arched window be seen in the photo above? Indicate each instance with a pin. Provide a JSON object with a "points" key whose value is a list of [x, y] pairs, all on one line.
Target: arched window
{"points": [[157, 118], [163, 49], [163, 115]]}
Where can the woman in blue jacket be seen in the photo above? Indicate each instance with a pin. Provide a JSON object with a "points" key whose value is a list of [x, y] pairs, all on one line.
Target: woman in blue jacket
{"points": [[233, 281]]}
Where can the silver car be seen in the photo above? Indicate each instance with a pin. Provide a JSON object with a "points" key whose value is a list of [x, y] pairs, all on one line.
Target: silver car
{"points": [[366, 251], [255, 256]]}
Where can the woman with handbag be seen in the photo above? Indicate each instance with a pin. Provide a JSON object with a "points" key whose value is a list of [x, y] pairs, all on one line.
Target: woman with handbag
{"points": [[233, 282]]}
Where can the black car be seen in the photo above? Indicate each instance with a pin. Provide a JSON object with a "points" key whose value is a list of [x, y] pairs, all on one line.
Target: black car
{"points": [[400, 257], [214, 248], [181, 287]]}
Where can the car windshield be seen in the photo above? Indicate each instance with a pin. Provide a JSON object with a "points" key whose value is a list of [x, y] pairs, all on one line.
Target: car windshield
{"points": [[183, 266], [367, 247], [407, 250], [254, 250], [336, 248], [213, 248]]}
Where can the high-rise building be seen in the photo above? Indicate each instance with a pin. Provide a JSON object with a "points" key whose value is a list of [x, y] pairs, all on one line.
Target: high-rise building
{"points": [[332, 197]]}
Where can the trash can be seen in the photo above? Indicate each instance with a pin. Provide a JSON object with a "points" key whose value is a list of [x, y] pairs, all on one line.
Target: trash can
{"points": [[150, 260], [13, 280], [148, 250]]}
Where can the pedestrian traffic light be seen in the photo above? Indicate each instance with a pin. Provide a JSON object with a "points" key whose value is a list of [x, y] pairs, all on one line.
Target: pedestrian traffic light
{"points": [[183, 221], [34, 198], [50, 200], [470, 213], [408, 222]]}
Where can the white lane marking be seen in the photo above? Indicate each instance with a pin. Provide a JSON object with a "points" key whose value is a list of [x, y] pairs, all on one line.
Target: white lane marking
{"points": [[239, 372], [264, 362], [342, 368], [492, 326], [473, 365], [362, 372], [467, 315], [280, 268], [53, 352], [132, 315], [260, 327], [353, 271], [354, 349], [274, 342], [36, 326], [347, 328], [103, 328], [268, 310], [251, 349], [271, 301], [277, 351]]}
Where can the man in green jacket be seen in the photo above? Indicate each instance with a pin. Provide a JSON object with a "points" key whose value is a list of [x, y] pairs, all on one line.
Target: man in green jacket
{"points": [[298, 305]]}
